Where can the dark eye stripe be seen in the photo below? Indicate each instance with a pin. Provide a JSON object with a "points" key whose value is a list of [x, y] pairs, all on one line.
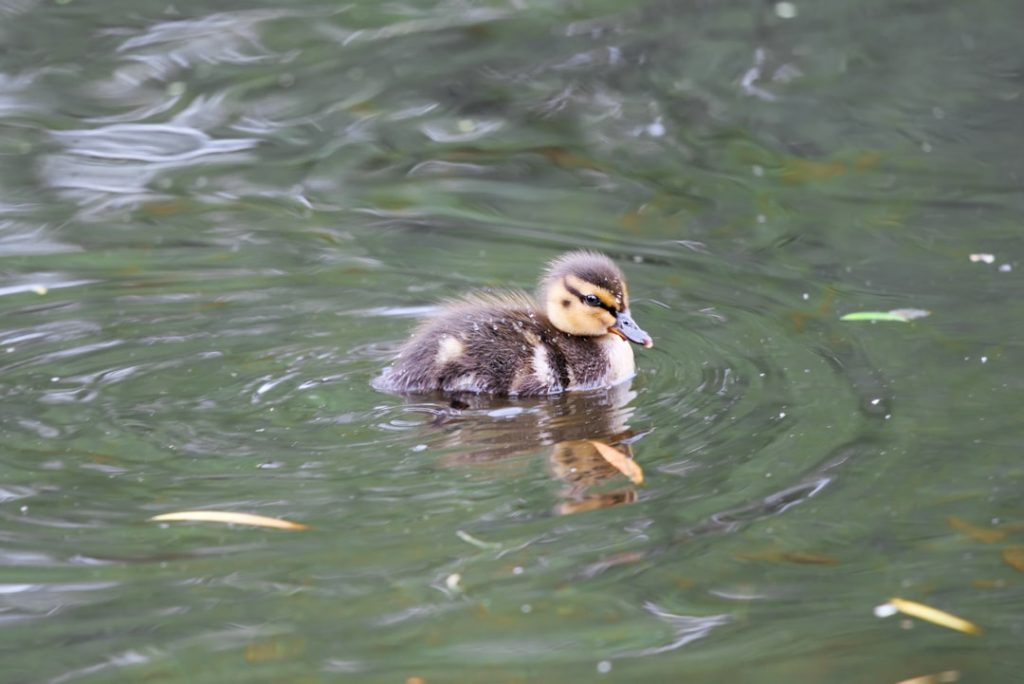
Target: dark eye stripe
{"points": [[583, 298]]}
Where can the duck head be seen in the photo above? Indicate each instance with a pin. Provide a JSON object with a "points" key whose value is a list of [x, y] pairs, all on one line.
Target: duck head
{"points": [[584, 293]]}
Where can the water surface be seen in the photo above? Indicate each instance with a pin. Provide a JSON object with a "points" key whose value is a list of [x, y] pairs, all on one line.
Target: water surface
{"points": [[218, 223]]}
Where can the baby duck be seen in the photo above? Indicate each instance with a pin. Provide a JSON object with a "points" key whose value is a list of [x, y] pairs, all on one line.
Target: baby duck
{"points": [[574, 337]]}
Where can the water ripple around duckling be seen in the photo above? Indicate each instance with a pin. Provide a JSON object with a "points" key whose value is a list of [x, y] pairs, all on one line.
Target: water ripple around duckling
{"points": [[722, 411], [726, 417]]}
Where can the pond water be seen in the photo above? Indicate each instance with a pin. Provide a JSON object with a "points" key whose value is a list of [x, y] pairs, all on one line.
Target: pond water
{"points": [[218, 224]]}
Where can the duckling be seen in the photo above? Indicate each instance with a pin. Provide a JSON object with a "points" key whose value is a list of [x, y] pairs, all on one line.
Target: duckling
{"points": [[575, 336]]}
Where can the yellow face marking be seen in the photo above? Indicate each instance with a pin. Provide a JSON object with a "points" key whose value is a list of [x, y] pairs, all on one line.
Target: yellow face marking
{"points": [[570, 315], [606, 297]]}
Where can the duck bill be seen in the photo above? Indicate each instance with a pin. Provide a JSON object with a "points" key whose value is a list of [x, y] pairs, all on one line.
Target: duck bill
{"points": [[628, 330]]}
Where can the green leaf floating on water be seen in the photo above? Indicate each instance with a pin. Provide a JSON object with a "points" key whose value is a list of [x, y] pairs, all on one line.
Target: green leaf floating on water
{"points": [[901, 315]]}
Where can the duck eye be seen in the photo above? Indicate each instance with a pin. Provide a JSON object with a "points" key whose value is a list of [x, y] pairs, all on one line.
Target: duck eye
{"points": [[592, 300]]}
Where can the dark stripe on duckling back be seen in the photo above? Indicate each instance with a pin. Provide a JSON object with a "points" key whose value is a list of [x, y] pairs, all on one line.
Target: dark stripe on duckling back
{"points": [[557, 359]]}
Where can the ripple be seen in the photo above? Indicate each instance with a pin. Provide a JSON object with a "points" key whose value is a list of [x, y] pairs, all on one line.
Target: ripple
{"points": [[22, 239], [464, 130], [42, 283], [17, 97], [165, 48], [158, 143]]}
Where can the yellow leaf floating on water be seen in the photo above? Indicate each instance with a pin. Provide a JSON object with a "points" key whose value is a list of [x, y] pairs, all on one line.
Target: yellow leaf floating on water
{"points": [[933, 615], [901, 315], [1014, 557], [938, 678], [620, 461], [230, 518], [982, 534]]}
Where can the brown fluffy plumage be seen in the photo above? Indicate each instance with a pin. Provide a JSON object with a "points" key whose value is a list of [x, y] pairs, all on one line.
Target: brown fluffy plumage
{"points": [[507, 344]]}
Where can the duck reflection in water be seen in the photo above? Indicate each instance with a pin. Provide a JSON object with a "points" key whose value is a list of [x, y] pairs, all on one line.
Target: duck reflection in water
{"points": [[489, 430]]}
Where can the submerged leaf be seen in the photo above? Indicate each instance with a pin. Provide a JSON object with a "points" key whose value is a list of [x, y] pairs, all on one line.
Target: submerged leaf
{"points": [[592, 502], [900, 315], [799, 171], [934, 615], [620, 461], [275, 649], [982, 534], [230, 518], [799, 557], [1014, 557]]}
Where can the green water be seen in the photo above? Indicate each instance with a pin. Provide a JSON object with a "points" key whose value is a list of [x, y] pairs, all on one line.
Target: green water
{"points": [[218, 224]]}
